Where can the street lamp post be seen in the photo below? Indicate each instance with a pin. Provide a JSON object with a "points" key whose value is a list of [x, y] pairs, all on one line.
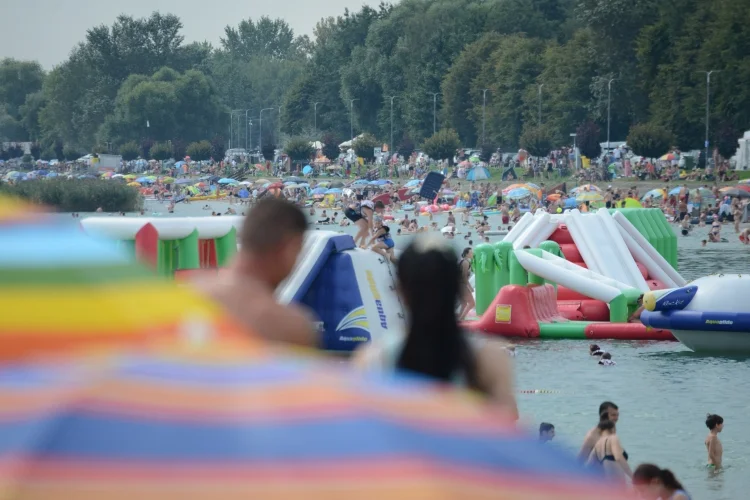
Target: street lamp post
{"points": [[484, 113], [250, 126], [315, 114], [260, 128], [390, 145], [540, 86], [246, 111], [609, 102], [351, 118], [278, 141], [434, 110], [708, 103]]}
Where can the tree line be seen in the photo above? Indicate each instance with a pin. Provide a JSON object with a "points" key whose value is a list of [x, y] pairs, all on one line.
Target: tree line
{"points": [[496, 73]]}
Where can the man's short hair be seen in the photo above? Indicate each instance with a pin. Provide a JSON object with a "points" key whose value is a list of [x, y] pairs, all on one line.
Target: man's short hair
{"points": [[269, 223], [545, 427]]}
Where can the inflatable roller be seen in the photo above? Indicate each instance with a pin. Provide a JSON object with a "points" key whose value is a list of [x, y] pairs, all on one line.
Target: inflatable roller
{"points": [[625, 331], [586, 310], [564, 293]]}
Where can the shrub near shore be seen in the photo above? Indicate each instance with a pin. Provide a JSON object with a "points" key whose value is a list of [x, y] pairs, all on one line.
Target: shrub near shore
{"points": [[77, 195]]}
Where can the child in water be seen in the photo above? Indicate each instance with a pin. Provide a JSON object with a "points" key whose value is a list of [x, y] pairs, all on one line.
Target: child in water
{"points": [[606, 360], [594, 350], [715, 450]]}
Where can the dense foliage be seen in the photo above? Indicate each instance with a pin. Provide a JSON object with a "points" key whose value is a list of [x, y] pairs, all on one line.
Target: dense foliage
{"points": [[76, 195], [500, 66]]}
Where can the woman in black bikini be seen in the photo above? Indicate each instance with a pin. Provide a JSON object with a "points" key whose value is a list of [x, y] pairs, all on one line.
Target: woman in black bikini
{"points": [[608, 453], [361, 214]]}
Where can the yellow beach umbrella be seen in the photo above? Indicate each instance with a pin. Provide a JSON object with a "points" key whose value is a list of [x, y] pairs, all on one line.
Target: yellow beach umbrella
{"points": [[134, 184], [632, 203]]}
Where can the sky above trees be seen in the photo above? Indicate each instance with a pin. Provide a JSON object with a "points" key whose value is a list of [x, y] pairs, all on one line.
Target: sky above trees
{"points": [[47, 30]]}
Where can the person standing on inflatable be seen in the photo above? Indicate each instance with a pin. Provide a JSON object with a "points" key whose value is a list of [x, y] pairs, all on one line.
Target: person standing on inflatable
{"points": [[361, 214]]}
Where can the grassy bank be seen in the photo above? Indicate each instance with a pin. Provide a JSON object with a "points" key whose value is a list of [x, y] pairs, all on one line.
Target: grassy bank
{"points": [[77, 195]]}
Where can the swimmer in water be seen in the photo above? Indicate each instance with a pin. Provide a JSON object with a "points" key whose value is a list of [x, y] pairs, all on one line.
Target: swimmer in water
{"points": [[594, 350], [745, 236], [606, 360], [546, 432], [714, 448]]}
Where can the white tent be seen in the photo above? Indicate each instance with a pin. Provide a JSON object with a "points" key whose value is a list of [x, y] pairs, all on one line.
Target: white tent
{"points": [[349, 143]]}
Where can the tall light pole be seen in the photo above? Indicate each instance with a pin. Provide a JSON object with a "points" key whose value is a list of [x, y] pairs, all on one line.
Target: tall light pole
{"points": [[484, 112], [609, 107], [540, 86], [315, 114], [246, 112], [390, 144], [260, 128], [708, 103], [434, 110], [231, 124], [250, 125], [351, 118], [279, 118]]}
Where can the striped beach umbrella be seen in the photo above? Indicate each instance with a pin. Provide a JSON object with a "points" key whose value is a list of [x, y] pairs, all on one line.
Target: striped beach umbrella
{"points": [[240, 424], [62, 289]]}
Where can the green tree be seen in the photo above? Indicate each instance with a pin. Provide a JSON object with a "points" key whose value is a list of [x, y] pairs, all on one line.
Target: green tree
{"points": [[218, 148], [299, 149], [160, 151], [199, 151], [266, 37], [173, 105], [538, 141], [650, 140], [588, 135], [268, 149], [726, 139], [47, 154], [71, 153], [36, 150], [129, 151], [364, 147], [442, 145], [406, 147], [331, 148], [18, 80]]}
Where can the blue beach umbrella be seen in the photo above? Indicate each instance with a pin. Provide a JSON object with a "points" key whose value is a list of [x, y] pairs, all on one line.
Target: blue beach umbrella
{"points": [[243, 193], [307, 169], [518, 194], [413, 182], [334, 191], [320, 190], [227, 181]]}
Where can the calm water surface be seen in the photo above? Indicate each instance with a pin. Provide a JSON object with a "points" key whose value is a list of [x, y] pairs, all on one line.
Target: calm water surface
{"points": [[663, 390]]}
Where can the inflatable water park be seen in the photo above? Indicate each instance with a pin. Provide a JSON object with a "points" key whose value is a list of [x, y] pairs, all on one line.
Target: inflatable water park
{"points": [[575, 275], [554, 276], [352, 291]]}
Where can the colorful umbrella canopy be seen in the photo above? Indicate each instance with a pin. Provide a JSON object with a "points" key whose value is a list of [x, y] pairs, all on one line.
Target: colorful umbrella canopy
{"points": [[236, 424], [275, 185], [91, 292], [512, 187], [737, 193], [588, 196], [668, 157], [674, 191], [554, 197], [586, 187], [518, 194], [744, 187], [167, 180], [262, 181], [134, 184], [413, 183], [307, 169], [227, 181], [745, 181], [655, 193]]}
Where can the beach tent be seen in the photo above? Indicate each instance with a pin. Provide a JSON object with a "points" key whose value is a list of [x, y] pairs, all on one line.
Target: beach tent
{"points": [[478, 173]]}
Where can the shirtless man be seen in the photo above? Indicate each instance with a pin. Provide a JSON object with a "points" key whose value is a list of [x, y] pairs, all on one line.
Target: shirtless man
{"points": [[715, 451], [594, 434], [271, 239]]}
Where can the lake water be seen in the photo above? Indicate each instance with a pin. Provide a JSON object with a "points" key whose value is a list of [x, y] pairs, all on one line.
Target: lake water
{"points": [[664, 391]]}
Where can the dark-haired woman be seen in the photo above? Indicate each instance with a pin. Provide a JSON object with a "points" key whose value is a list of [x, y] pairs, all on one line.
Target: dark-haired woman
{"points": [[429, 283], [654, 483], [608, 452]]}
